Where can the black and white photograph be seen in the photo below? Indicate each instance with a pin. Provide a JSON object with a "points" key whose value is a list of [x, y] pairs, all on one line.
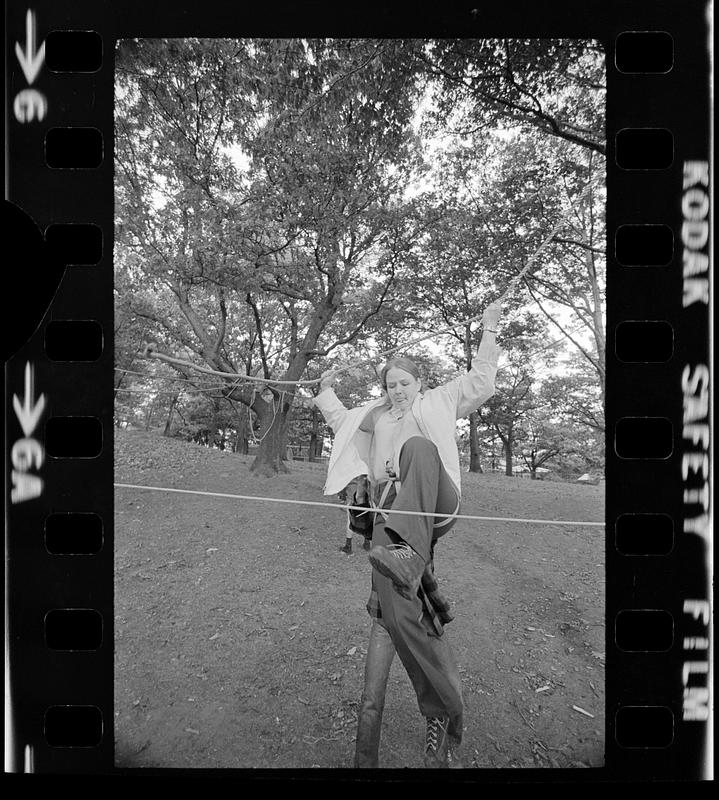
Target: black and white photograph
{"points": [[359, 393]]}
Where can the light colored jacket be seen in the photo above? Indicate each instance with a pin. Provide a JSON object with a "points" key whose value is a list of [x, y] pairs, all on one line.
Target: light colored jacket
{"points": [[436, 412]]}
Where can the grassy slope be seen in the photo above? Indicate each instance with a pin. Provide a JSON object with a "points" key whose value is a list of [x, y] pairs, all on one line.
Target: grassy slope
{"points": [[240, 628]]}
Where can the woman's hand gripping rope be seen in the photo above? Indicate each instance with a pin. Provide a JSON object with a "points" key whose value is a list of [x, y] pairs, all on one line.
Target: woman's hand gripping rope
{"points": [[490, 317], [328, 379]]}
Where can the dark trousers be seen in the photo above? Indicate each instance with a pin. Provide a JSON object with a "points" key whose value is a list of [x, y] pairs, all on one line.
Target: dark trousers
{"points": [[404, 627]]}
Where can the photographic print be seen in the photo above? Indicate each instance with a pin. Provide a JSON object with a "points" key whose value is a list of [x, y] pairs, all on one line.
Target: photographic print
{"points": [[359, 396]]}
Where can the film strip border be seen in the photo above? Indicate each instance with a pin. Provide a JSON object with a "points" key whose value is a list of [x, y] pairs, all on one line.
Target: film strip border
{"points": [[658, 412], [59, 462], [59, 544]]}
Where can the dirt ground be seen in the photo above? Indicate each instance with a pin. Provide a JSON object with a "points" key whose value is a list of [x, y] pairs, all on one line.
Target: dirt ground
{"points": [[240, 628]]}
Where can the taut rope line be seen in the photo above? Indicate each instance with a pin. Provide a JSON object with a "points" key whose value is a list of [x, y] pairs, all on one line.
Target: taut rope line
{"points": [[151, 353], [219, 386], [352, 508]]}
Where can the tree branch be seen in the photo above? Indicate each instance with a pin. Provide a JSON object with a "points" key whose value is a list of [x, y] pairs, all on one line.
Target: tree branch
{"points": [[258, 327]]}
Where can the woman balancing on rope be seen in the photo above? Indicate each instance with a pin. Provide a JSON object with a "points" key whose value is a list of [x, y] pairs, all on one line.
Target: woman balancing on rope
{"points": [[405, 444]]}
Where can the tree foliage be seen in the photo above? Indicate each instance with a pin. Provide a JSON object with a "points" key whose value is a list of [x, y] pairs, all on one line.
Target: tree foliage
{"points": [[272, 250], [285, 206], [554, 85]]}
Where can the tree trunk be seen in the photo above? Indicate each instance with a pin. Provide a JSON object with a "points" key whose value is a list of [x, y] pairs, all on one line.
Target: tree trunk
{"points": [[171, 414], [507, 443], [241, 444], [475, 464], [316, 441], [270, 457], [531, 464], [148, 416]]}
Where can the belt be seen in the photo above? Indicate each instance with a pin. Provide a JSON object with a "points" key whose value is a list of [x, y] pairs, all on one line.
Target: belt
{"points": [[386, 486]]}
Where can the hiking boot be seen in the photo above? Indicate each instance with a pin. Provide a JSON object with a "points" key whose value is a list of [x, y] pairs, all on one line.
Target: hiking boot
{"points": [[347, 548], [367, 544], [401, 565], [437, 744], [442, 749]]}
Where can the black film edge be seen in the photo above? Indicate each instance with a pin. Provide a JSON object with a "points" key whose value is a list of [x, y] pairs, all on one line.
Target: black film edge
{"points": [[59, 377]]}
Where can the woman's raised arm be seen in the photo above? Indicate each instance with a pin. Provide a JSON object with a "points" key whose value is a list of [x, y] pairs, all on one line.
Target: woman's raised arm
{"points": [[476, 386], [332, 408]]}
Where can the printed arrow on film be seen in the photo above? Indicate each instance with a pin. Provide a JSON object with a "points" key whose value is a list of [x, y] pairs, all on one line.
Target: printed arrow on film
{"points": [[27, 410], [30, 59]]}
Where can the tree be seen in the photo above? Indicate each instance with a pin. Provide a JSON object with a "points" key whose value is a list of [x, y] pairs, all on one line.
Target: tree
{"points": [[272, 207], [537, 187], [517, 104], [575, 396], [565, 428], [464, 263], [505, 411], [541, 439], [556, 86], [314, 217], [569, 286]]}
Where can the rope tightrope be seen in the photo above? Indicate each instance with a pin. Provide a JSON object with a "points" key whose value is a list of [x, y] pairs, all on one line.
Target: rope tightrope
{"points": [[354, 508]]}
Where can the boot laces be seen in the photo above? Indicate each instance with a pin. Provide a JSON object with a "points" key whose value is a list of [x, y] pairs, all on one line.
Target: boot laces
{"points": [[435, 727], [401, 550]]}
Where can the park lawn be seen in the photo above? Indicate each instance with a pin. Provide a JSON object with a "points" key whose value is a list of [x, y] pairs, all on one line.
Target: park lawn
{"points": [[240, 629]]}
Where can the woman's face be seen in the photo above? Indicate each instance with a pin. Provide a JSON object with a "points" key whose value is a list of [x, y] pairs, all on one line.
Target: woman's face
{"points": [[402, 387]]}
